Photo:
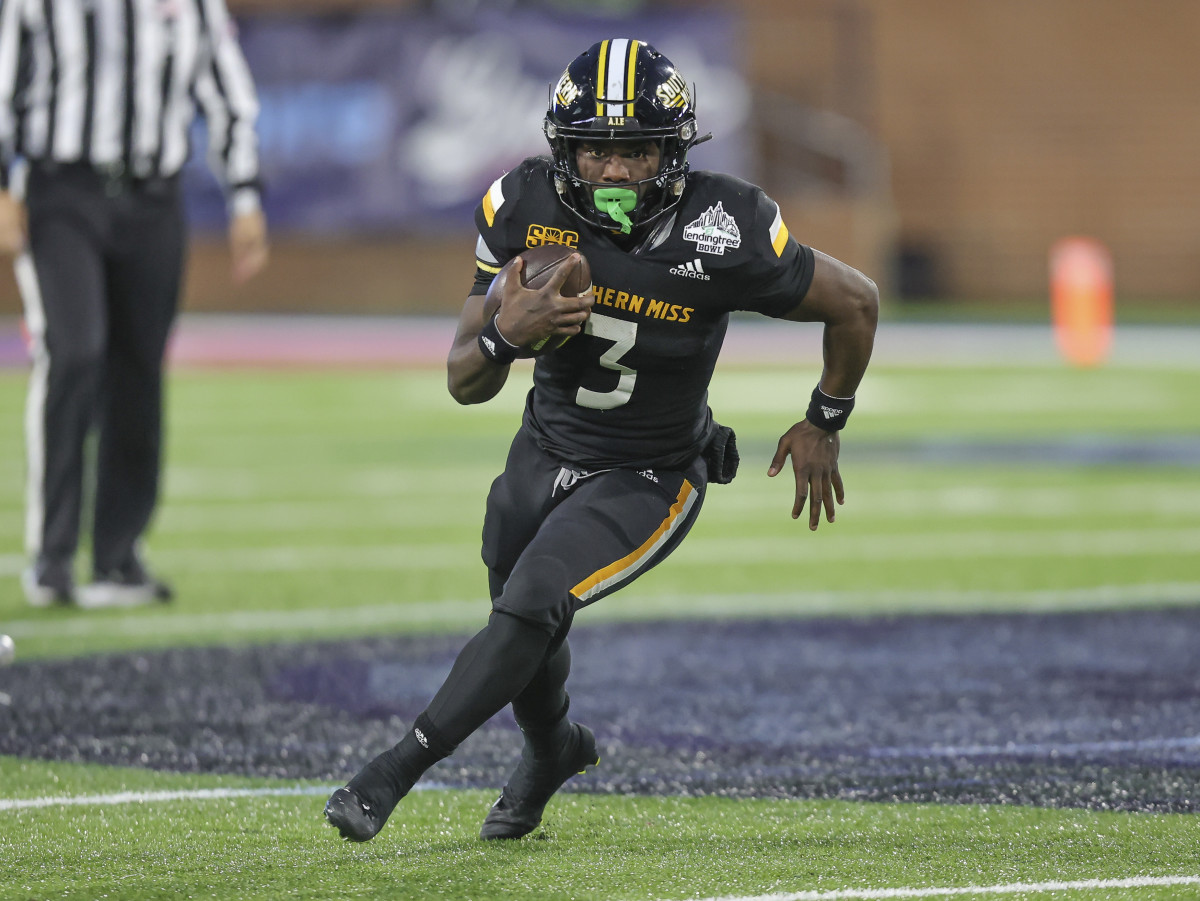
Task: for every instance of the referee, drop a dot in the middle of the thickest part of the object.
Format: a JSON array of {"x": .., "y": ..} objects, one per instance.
[{"x": 97, "y": 98}]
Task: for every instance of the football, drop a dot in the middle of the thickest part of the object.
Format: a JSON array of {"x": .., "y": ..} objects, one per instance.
[{"x": 541, "y": 265}]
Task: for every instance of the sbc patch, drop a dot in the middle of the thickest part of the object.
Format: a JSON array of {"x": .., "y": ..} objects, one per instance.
[{"x": 537, "y": 235}]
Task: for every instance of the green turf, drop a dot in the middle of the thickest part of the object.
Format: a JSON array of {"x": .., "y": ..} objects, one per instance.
[
  {"x": 589, "y": 847},
  {"x": 323, "y": 504}
]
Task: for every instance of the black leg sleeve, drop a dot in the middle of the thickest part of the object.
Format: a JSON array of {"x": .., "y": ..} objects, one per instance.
[
  {"x": 543, "y": 703},
  {"x": 494, "y": 667}
]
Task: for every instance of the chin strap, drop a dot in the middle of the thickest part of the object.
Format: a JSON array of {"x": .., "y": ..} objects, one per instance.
[{"x": 617, "y": 202}]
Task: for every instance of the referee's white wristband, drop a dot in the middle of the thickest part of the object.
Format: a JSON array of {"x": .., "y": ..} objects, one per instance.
[{"x": 245, "y": 200}]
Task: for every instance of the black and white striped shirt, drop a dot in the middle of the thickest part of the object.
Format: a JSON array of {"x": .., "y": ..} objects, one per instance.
[{"x": 116, "y": 83}]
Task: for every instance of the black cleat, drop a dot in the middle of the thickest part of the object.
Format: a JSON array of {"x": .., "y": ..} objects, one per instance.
[
  {"x": 518, "y": 811},
  {"x": 356, "y": 820}
]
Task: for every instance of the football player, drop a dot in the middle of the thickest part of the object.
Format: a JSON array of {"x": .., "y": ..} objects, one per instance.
[{"x": 617, "y": 445}]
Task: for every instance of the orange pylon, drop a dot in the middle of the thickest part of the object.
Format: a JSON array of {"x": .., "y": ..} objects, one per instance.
[{"x": 1081, "y": 300}]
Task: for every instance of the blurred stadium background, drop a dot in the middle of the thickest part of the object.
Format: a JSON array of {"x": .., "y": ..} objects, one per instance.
[{"x": 940, "y": 146}]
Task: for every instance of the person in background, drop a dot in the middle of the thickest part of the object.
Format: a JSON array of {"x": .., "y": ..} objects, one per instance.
[
  {"x": 610, "y": 466},
  {"x": 97, "y": 98}
]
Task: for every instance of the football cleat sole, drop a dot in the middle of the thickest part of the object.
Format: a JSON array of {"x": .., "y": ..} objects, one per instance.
[{"x": 351, "y": 817}]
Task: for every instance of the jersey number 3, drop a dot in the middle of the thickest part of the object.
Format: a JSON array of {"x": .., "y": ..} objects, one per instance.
[{"x": 622, "y": 334}]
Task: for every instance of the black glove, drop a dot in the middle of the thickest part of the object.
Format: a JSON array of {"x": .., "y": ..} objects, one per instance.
[{"x": 721, "y": 456}]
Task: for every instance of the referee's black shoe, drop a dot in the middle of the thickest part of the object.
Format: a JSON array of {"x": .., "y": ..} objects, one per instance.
[
  {"x": 355, "y": 819},
  {"x": 518, "y": 811}
]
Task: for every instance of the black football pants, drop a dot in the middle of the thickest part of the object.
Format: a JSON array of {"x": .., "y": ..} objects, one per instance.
[
  {"x": 100, "y": 285},
  {"x": 555, "y": 540}
]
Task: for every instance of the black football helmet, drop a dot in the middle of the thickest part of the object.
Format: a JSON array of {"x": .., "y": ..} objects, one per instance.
[{"x": 621, "y": 89}]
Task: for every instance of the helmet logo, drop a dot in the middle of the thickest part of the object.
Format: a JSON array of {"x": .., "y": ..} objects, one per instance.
[
  {"x": 673, "y": 92},
  {"x": 567, "y": 92}
]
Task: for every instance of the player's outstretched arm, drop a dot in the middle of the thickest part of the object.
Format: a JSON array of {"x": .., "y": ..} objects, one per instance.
[{"x": 847, "y": 302}]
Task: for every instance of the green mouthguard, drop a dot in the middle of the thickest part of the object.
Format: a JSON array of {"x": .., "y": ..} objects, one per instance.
[{"x": 616, "y": 202}]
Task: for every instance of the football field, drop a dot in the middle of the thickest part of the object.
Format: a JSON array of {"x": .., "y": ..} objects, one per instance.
[{"x": 981, "y": 681}]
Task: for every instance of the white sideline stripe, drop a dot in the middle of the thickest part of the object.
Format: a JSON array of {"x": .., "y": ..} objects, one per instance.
[
  {"x": 195, "y": 794},
  {"x": 960, "y": 502},
  {"x": 1164, "y": 542},
  {"x": 881, "y": 894},
  {"x": 199, "y": 794},
  {"x": 164, "y": 621}
]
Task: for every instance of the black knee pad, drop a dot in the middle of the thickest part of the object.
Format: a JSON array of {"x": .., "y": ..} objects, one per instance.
[{"x": 538, "y": 592}]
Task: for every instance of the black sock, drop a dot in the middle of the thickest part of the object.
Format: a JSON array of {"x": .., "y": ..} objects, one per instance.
[
  {"x": 391, "y": 775},
  {"x": 541, "y": 709}
]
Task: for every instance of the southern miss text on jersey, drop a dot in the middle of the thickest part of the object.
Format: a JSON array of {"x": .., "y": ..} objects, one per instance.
[{"x": 632, "y": 389}]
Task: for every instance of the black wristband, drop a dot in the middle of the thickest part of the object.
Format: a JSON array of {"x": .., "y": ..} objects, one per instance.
[
  {"x": 494, "y": 346},
  {"x": 829, "y": 413}
]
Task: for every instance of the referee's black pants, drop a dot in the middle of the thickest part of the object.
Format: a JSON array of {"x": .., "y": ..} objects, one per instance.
[{"x": 100, "y": 284}]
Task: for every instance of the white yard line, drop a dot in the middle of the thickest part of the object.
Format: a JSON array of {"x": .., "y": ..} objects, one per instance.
[
  {"x": 700, "y": 551},
  {"x": 195, "y": 794},
  {"x": 957, "y": 502},
  {"x": 629, "y": 606}
]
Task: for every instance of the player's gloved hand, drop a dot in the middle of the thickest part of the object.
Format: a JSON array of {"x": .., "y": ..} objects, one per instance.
[{"x": 814, "y": 454}]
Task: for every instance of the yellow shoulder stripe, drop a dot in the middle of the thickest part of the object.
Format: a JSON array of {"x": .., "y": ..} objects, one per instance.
[
  {"x": 779, "y": 233},
  {"x": 492, "y": 201}
]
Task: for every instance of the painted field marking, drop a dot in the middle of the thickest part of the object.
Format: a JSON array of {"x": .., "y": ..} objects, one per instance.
[
  {"x": 883, "y": 894},
  {"x": 163, "y": 622},
  {"x": 962, "y": 501},
  {"x": 195, "y": 794},
  {"x": 700, "y": 551}
]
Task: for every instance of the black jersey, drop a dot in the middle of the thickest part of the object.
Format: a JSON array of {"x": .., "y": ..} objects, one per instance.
[{"x": 632, "y": 389}]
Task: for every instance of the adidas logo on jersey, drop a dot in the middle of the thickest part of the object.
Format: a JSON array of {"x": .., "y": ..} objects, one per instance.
[{"x": 693, "y": 269}]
